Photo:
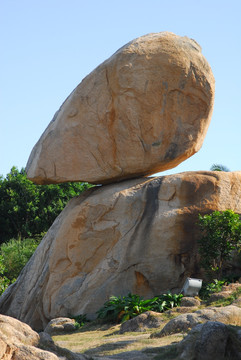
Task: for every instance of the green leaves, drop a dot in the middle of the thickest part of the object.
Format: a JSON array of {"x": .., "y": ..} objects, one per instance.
[
  {"x": 80, "y": 320},
  {"x": 210, "y": 288},
  {"x": 221, "y": 235},
  {"x": 219, "y": 167},
  {"x": 120, "y": 309},
  {"x": 14, "y": 255},
  {"x": 26, "y": 209}
]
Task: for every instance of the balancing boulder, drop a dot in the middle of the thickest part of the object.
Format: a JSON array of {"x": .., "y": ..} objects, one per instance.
[{"x": 144, "y": 110}]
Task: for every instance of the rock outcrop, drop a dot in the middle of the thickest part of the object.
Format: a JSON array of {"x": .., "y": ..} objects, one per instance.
[
  {"x": 19, "y": 341},
  {"x": 136, "y": 236},
  {"x": 142, "y": 322},
  {"x": 183, "y": 323},
  {"x": 212, "y": 340},
  {"x": 144, "y": 110}
]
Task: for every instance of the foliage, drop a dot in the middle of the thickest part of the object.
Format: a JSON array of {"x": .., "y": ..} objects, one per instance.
[
  {"x": 80, "y": 320},
  {"x": 120, "y": 309},
  {"x": 216, "y": 287},
  {"x": 221, "y": 235},
  {"x": 26, "y": 209},
  {"x": 13, "y": 257},
  {"x": 4, "y": 281},
  {"x": 210, "y": 288},
  {"x": 219, "y": 167},
  {"x": 15, "y": 254}
]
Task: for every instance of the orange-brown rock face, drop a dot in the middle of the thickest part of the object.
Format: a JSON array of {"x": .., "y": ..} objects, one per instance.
[
  {"x": 144, "y": 110},
  {"x": 136, "y": 236},
  {"x": 18, "y": 341}
]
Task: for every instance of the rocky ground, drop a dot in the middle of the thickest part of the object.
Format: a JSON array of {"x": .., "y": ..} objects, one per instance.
[{"x": 195, "y": 330}]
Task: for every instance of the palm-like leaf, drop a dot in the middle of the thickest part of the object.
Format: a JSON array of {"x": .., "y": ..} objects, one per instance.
[{"x": 219, "y": 167}]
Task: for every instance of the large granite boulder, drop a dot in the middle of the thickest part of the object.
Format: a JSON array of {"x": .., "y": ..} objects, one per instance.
[
  {"x": 136, "y": 236},
  {"x": 212, "y": 340},
  {"x": 144, "y": 110},
  {"x": 18, "y": 341}
]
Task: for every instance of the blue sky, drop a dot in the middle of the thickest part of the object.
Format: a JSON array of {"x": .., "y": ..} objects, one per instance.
[{"x": 49, "y": 46}]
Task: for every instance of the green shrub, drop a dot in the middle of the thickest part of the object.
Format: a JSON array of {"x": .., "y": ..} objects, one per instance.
[
  {"x": 80, "y": 320},
  {"x": 26, "y": 209},
  {"x": 13, "y": 257},
  {"x": 4, "y": 281},
  {"x": 221, "y": 235},
  {"x": 120, "y": 309},
  {"x": 210, "y": 288}
]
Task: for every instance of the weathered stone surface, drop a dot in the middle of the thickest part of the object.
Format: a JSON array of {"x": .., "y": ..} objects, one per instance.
[
  {"x": 18, "y": 341},
  {"x": 220, "y": 295},
  {"x": 182, "y": 323},
  {"x": 46, "y": 342},
  {"x": 210, "y": 341},
  {"x": 181, "y": 310},
  {"x": 189, "y": 301},
  {"x": 227, "y": 291},
  {"x": 237, "y": 302},
  {"x": 60, "y": 325},
  {"x": 144, "y": 110},
  {"x": 136, "y": 236},
  {"x": 147, "y": 320}
]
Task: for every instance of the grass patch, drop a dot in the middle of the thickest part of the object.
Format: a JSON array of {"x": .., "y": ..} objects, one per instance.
[
  {"x": 168, "y": 352},
  {"x": 105, "y": 340}
]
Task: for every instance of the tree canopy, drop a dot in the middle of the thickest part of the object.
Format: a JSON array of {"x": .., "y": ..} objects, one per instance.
[
  {"x": 220, "y": 236},
  {"x": 28, "y": 210}
]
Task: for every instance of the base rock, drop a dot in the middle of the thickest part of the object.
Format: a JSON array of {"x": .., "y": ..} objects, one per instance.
[{"x": 137, "y": 236}]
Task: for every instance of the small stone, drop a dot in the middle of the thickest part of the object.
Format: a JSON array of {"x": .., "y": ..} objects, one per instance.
[
  {"x": 60, "y": 325},
  {"x": 190, "y": 301},
  {"x": 219, "y": 296},
  {"x": 142, "y": 322}
]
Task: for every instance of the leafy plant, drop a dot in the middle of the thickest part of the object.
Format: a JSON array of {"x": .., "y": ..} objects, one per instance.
[
  {"x": 120, "y": 309},
  {"x": 210, "y": 288},
  {"x": 221, "y": 235},
  {"x": 80, "y": 320},
  {"x": 219, "y": 167}
]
